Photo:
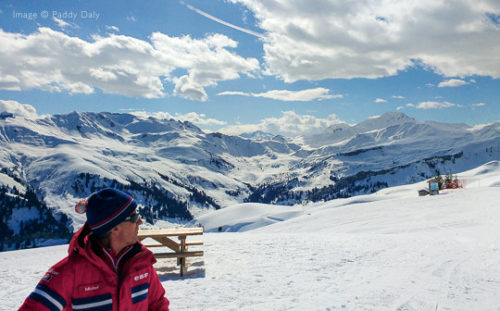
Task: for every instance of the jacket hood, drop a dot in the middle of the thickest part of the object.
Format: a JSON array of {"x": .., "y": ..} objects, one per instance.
[{"x": 79, "y": 239}]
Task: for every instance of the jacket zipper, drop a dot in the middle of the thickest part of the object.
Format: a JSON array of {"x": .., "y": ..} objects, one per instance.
[
  {"x": 115, "y": 266},
  {"x": 118, "y": 278}
]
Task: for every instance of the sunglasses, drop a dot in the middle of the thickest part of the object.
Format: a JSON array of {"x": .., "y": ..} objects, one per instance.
[{"x": 134, "y": 218}]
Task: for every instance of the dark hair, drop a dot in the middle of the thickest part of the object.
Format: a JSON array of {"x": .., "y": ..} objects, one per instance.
[{"x": 103, "y": 239}]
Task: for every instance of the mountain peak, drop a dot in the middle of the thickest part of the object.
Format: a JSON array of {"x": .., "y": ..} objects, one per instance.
[
  {"x": 384, "y": 121},
  {"x": 258, "y": 135}
]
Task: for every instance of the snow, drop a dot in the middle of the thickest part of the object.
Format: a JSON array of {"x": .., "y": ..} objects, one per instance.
[
  {"x": 8, "y": 181},
  {"x": 248, "y": 216},
  {"x": 391, "y": 250}
]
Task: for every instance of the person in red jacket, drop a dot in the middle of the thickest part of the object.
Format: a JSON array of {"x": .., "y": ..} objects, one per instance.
[{"x": 106, "y": 267}]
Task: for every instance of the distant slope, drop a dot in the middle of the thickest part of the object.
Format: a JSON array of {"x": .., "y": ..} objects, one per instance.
[{"x": 272, "y": 218}]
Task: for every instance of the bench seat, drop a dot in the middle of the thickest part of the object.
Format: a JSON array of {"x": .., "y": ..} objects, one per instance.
[
  {"x": 178, "y": 255},
  {"x": 188, "y": 243},
  {"x": 192, "y": 243},
  {"x": 154, "y": 245}
]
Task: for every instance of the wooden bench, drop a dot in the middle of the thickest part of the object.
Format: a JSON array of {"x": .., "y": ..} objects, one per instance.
[
  {"x": 188, "y": 243},
  {"x": 163, "y": 238},
  {"x": 179, "y": 255}
]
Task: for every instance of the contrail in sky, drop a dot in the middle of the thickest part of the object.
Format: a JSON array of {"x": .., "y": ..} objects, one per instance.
[{"x": 218, "y": 20}]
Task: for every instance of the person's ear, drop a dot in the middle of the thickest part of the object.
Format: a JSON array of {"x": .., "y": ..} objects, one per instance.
[{"x": 115, "y": 229}]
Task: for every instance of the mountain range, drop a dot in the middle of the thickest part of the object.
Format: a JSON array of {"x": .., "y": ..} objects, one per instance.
[{"x": 177, "y": 172}]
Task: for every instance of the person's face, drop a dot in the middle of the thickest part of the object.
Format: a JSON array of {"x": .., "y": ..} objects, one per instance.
[{"x": 126, "y": 233}]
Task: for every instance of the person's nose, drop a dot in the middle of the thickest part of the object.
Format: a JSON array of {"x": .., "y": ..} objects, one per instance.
[{"x": 139, "y": 222}]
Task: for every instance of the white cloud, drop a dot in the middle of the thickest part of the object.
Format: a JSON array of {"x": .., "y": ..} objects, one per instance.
[
  {"x": 380, "y": 100},
  {"x": 18, "y": 109},
  {"x": 112, "y": 28},
  {"x": 398, "y": 97},
  {"x": 187, "y": 88},
  {"x": 371, "y": 39},
  {"x": 286, "y": 95},
  {"x": 234, "y": 93},
  {"x": 118, "y": 64},
  {"x": 207, "y": 61},
  {"x": 199, "y": 119},
  {"x": 61, "y": 23},
  {"x": 289, "y": 124},
  {"x": 102, "y": 74},
  {"x": 479, "y": 105},
  {"x": 435, "y": 105},
  {"x": 10, "y": 83},
  {"x": 452, "y": 83},
  {"x": 146, "y": 114}
]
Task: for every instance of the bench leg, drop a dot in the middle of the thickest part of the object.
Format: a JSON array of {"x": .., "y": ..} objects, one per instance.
[
  {"x": 183, "y": 265},
  {"x": 182, "y": 259}
]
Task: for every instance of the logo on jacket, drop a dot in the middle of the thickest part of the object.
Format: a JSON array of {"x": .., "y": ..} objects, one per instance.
[
  {"x": 141, "y": 277},
  {"x": 48, "y": 276},
  {"x": 91, "y": 288}
]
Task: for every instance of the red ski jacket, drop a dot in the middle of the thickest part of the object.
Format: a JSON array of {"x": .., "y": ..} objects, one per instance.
[{"x": 89, "y": 279}]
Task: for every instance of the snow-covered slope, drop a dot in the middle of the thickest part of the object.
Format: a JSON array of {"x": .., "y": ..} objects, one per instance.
[
  {"x": 249, "y": 216},
  {"x": 390, "y": 250},
  {"x": 176, "y": 170}
]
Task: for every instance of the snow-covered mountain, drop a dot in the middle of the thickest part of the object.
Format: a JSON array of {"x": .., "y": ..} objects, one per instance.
[
  {"x": 390, "y": 150},
  {"x": 175, "y": 170}
]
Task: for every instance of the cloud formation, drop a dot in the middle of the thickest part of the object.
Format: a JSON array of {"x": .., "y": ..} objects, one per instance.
[
  {"x": 18, "y": 109},
  {"x": 479, "y": 105},
  {"x": 112, "y": 28},
  {"x": 286, "y": 95},
  {"x": 435, "y": 105},
  {"x": 452, "y": 83},
  {"x": 118, "y": 64},
  {"x": 199, "y": 119},
  {"x": 371, "y": 39},
  {"x": 61, "y": 23},
  {"x": 289, "y": 124}
]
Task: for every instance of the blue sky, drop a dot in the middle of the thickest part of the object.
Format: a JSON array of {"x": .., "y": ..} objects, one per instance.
[{"x": 290, "y": 67}]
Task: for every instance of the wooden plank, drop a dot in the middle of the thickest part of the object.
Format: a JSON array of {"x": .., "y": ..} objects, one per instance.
[
  {"x": 164, "y": 242},
  {"x": 169, "y": 232},
  {"x": 154, "y": 245},
  {"x": 179, "y": 255},
  {"x": 191, "y": 243},
  {"x": 194, "y": 243},
  {"x": 169, "y": 243}
]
